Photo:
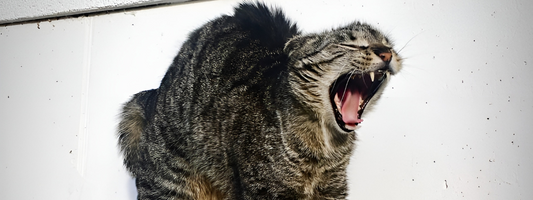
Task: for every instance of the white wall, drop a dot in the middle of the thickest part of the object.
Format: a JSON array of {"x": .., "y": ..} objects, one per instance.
[
  {"x": 454, "y": 124},
  {"x": 22, "y": 10}
]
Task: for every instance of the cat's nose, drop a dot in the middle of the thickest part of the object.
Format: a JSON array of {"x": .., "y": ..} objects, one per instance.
[
  {"x": 385, "y": 56},
  {"x": 383, "y": 52}
]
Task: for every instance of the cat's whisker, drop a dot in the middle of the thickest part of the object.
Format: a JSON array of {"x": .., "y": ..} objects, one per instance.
[
  {"x": 338, "y": 74},
  {"x": 347, "y": 82},
  {"x": 363, "y": 78},
  {"x": 407, "y": 43}
]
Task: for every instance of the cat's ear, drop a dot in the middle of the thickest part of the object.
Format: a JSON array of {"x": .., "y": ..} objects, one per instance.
[
  {"x": 313, "y": 49},
  {"x": 302, "y": 46}
]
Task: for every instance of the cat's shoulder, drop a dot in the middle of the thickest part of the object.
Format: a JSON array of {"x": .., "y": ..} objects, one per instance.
[{"x": 266, "y": 24}]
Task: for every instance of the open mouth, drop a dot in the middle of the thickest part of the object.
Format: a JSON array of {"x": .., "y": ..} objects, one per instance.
[{"x": 350, "y": 95}]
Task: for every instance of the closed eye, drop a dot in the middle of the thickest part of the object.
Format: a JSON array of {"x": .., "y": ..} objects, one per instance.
[{"x": 353, "y": 47}]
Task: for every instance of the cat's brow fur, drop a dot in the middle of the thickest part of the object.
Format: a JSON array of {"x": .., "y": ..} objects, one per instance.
[{"x": 243, "y": 112}]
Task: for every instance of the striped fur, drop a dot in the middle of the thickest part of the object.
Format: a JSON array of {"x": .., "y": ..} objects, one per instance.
[{"x": 244, "y": 112}]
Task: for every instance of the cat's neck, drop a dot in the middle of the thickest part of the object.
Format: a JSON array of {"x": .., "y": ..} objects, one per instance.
[{"x": 311, "y": 137}]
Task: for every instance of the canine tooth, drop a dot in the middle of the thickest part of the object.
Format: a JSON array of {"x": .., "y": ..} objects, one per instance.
[{"x": 371, "y": 76}]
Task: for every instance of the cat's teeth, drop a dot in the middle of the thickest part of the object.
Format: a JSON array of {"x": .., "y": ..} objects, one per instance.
[{"x": 371, "y": 76}]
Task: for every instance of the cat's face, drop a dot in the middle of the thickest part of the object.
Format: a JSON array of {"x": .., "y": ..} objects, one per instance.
[{"x": 342, "y": 72}]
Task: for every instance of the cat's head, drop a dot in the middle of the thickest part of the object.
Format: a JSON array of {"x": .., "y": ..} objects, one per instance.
[{"x": 342, "y": 72}]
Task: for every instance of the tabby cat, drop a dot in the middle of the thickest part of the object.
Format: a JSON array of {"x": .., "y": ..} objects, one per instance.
[{"x": 252, "y": 109}]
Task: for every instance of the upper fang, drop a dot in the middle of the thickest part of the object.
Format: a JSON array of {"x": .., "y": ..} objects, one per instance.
[{"x": 371, "y": 76}]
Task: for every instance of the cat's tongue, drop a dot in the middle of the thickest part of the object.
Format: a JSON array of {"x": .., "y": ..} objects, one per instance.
[{"x": 350, "y": 107}]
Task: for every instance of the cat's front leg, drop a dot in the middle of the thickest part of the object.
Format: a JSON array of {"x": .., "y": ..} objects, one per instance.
[
  {"x": 334, "y": 185},
  {"x": 177, "y": 184}
]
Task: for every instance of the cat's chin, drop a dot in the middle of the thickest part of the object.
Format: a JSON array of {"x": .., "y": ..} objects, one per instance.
[{"x": 350, "y": 95}]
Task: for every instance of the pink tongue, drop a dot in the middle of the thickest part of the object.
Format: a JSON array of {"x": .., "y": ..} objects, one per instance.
[{"x": 350, "y": 107}]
